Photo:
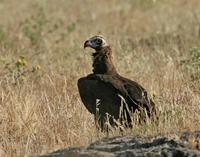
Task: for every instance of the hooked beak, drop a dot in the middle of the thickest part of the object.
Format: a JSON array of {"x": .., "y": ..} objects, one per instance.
[{"x": 87, "y": 43}]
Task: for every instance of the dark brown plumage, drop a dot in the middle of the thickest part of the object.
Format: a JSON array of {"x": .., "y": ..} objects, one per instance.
[{"x": 108, "y": 95}]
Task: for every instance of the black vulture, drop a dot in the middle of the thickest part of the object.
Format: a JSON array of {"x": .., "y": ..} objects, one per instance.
[{"x": 106, "y": 94}]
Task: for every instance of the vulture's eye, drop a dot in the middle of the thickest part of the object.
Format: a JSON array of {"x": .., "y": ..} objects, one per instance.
[{"x": 98, "y": 41}]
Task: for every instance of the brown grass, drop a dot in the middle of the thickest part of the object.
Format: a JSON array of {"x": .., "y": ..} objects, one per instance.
[{"x": 40, "y": 108}]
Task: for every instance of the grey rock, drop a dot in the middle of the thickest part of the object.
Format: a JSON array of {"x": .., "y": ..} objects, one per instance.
[{"x": 135, "y": 146}]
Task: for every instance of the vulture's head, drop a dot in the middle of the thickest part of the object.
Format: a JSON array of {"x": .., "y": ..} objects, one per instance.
[{"x": 96, "y": 42}]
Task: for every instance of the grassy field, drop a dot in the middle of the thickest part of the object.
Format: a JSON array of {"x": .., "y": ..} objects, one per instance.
[{"x": 155, "y": 42}]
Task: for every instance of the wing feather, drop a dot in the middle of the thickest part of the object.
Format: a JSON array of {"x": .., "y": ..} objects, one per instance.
[{"x": 127, "y": 88}]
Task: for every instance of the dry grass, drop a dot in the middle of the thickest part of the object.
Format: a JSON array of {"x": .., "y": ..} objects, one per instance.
[{"x": 40, "y": 108}]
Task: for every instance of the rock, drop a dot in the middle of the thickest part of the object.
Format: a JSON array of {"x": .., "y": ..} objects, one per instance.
[{"x": 137, "y": 146}]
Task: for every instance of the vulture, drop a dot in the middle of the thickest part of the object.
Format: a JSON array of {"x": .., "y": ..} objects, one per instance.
[{"x": 110, "y": 97}]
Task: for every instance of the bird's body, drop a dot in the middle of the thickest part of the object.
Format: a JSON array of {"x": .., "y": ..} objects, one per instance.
[{"x": 108, "y": 95}]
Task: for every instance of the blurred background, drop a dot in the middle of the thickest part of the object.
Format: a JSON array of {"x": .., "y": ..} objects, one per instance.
[{"x": 154, "y": 42}]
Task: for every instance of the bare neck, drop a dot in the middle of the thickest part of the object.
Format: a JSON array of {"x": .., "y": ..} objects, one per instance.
[{"x": 102, "y": 62}]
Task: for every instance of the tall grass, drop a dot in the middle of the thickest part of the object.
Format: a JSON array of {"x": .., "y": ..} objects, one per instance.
[{"x": 42, "y": 57}]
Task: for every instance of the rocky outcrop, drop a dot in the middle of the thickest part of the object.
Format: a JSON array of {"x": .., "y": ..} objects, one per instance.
[{"x": 181, "y": 145}]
